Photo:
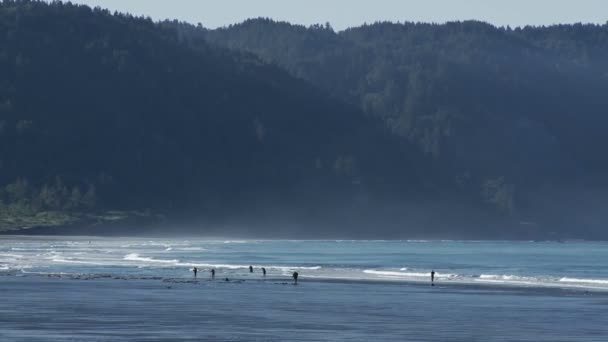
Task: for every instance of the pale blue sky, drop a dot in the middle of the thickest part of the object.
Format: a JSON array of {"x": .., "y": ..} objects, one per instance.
[{"x": 345, "y": 13}]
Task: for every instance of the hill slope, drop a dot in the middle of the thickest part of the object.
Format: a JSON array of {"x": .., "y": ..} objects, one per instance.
[
  {"x": 516, "y": 116},
  {"x": 112, "y": 121},
  {"x": 104, "y": 111}
]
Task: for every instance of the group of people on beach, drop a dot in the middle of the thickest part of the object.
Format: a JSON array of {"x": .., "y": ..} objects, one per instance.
[{"x": 294, "y": 274}]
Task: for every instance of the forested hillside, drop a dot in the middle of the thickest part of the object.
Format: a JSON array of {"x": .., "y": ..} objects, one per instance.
[
  {"x": 270, "y": 129},
  {"x": 518, "y": 115},
  {"x": 112, "y": 112},
  {"x": 450, "y": 87}
]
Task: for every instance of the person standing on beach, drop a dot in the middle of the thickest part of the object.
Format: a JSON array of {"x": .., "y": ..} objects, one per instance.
[
  {"x": 263, "y": 271},
  {"x": 213, "y": 273},
  {"x": 250, "y": 269},
  {"x": 433, "y": 278},
  {"x": 195, "y": 270},
  {"x": 295, "y": 278}
]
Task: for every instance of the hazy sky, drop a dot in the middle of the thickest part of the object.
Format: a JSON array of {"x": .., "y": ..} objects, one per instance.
[{"x": 344, "y": 13}]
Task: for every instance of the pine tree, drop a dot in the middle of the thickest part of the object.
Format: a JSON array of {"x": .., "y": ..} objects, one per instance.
[{"x": 89, "y": 200}]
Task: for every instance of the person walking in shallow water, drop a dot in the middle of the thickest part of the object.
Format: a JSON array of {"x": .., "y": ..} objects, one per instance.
[
  {"x": 213, "y": 273},
  {"x": 250, "y": 269},
  {"x": 433, "y": 278},
  {"x": 295, "y": 278},
  {"x": 263, "y": 271},
  {"x": 195, "y": 270}
]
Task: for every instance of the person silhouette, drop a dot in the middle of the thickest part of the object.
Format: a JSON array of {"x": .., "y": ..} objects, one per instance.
[
  {"x": 195, "y": 270},
  {"x": 433, "y": 278},
  {"x": 250, "y": 269},
  {"x": 295, "y": 278},
  {"x": 212, "y": 273},
  {"x": 263, "y": 271}
]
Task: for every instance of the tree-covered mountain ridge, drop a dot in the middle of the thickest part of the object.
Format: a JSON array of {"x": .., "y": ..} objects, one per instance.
[
  {"x": 432, "y": 83},
  {"x": 110, "y": 120},
  {"x": 108, "y": 116},
  {"x": 517, "y": 113}
]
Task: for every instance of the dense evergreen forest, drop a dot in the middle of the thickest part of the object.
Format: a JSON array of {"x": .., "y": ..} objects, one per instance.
[
  {"x": 270, "y": 129},
  {"x": 516, "y": 116}
]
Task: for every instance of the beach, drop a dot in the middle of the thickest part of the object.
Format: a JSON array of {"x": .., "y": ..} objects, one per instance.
[{"x": 80, "y": 293}]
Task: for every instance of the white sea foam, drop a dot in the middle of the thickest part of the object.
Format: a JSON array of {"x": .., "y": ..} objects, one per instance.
[
  {"x": 136, "y": 257},
  {"x": 584, "y": 281},
  {"x": 545, "y": 281},
  {"x": 61, "y": 259},
  {"x": 294, "y": 267},
  {"x": 147, "y": 261},
  {"x": 396, "y": 274},
  {"x": 269, "y": 267},
  {"x": 13, "y": 256},
  {"x": 506, "y": 277},
  {"x": 232, "y": 267}
]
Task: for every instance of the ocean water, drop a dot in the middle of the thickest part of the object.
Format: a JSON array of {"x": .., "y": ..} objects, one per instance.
[{"x": 81, "y": 288}]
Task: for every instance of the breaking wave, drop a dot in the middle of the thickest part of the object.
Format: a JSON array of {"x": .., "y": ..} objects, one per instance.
[
  {"x": 136, "y": 257},
  {"x": 584, "y": 281}
]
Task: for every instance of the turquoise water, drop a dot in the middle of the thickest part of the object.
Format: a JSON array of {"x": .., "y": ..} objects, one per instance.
[{"x": 126, "y": 289}]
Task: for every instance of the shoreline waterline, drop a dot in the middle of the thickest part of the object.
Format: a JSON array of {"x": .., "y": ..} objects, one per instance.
[
  {"x": 554, "y": 290},
  {"x": 574, "y": 265}
]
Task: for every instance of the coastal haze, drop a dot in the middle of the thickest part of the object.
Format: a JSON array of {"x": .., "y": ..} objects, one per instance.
[{"x": 312, "y": 171}]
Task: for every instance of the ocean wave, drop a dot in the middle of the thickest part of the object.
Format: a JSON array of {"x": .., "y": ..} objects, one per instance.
[
  {"x": 137, "y": 257},
  {"x": 294, "y": 267},
  {"x": 395, "y": 274},
  {"x": 176, "y": 262},
  {"x": 65, "y": 260},
  {"x": 584, "y": 281},
  {"x": 149, "y": 244},
  {"x": 507, "y": 277},
  {"x": 546, "y": 280},
  {"x": 15, "y": 267},
  {"x": 268, "y": 267},
  {"x": 9, "y": 255},
  {"x": 410, "y": 274}
]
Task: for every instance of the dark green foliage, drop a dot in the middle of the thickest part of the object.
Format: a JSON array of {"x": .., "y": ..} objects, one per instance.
[
  {"x": 49, "y": 197},
  {"x": 386, "y": 129},
  {"x": 130, "y": 114},
  {"x": 526, "y": 106},
  {"x": 481, "y": 99}
]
